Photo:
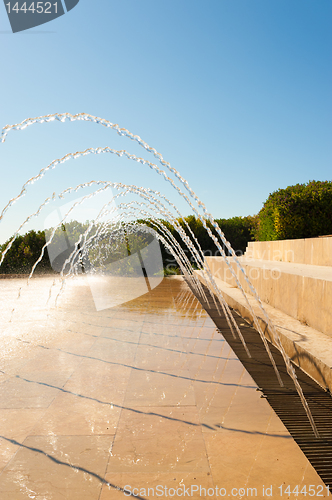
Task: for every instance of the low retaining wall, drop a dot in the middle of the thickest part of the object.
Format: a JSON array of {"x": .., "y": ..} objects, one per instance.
[
  {"x": 308, "y": 348},
  {"x": 312, "y": 251},
  {"x": 302, "y": 292}
]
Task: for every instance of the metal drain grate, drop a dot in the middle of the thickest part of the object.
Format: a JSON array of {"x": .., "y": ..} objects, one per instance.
[{"x": 284, "y": 400}]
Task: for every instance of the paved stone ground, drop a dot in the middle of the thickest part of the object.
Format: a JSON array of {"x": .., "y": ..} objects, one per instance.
[{"x": 145, "y": 395}]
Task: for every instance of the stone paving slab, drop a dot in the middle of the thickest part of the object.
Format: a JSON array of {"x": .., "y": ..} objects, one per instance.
[{"x": 146, "y": 395}]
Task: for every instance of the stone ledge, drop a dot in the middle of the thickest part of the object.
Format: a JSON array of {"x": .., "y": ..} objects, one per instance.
[
  {"x": 301, "y": 291},
  {"x": 308, "y": 348},
  {"x": 311, "y": 251}
]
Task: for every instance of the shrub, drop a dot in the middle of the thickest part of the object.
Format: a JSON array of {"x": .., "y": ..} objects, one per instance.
[
  {"x": 26, "y": 249},
  {"x": 238, "y": 231},
  {"x": 24, "y": 252},
  {"x": 300, "y": 211}
]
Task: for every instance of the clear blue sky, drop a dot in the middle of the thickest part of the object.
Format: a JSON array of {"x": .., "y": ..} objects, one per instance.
[{"x": 235, "y": 94}]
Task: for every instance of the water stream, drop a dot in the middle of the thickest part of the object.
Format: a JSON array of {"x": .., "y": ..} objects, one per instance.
[{"x": 115, "y": 229}]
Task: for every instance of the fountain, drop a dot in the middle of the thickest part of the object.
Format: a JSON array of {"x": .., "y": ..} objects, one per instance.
[{"x": 117, "y": 229}]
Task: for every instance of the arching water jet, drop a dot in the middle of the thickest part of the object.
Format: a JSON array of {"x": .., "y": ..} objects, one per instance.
[{"x": 204, "y": 217}]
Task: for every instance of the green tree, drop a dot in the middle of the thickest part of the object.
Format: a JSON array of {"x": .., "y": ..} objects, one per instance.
[
  {"x": 300, "y": 211},
  {"x": 238, "y": 231},
  {"x": 24, "y": 252}
]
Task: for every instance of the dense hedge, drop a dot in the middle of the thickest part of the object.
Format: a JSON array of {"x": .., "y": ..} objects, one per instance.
[
  {"x": 26, "y": 249},
  {"x": 238, "y": 231},
  {"x": 23, "y": 253},
  {"x": 300, "y": 211}
]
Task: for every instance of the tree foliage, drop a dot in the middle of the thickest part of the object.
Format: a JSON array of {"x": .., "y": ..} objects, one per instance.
[
  {"x": 23, "y": 253},
  {"x": 237, "y": 230},
  {"x": 105, "y": 250},
  {"x": 300, "y": 211}
]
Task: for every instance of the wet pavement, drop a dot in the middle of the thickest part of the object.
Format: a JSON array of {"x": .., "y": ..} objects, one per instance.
[{"x": 145, "y": 397}]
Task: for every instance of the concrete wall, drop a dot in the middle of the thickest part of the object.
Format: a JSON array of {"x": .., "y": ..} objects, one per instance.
[
  {"x": 308, "y": 348},
  {"x": 314, "y": 251},
  {"x": 305, "y": 298}
]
